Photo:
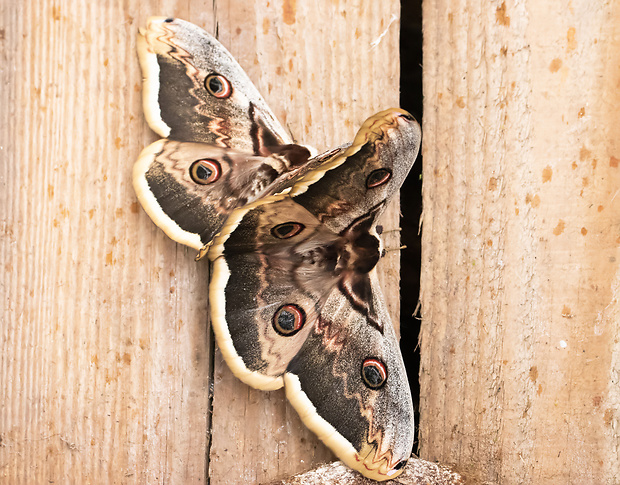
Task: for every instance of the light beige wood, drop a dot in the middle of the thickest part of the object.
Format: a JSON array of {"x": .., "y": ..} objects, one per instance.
[
  {"x": 322, "y": 79},
  {"x": 521, "y": 260},
  {"x": 105, "y": 350}
]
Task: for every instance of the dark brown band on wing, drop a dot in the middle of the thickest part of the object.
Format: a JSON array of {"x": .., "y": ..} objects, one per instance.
[
  {"x": 260, "y": 135},
  {"x": 179, "y": 104},
  {"x": 358, "y": 292},
  {"x": 337, "y": 195}
]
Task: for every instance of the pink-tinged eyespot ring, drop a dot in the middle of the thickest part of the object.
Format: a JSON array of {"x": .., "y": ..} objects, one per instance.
[
  {"x": 374, "y": 373},
  {"x": 205, "y": 171},
  {"x": 378, "y": 177},
  {"x": 218, "y": 86},
  {"x": 288, "y": 320},
  {"x": 287, "y": 230}
]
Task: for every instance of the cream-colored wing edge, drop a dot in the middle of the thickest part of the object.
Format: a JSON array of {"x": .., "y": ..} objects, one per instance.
[
  {"x": 150, "y": 74},
  {"x": 369, "y": 131},
  {"x": 217, "y": 301},
  {"x": 151, "y": 205},
  {"x": 341, "y": 447}
]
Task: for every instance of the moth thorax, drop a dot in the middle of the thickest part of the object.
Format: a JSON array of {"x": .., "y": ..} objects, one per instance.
[{"x": 364, "y": 252}]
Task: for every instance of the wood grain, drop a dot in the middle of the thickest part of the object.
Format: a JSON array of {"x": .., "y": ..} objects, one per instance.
[
  {"x": 521, "y": 260},
  {"x": 106, "y": 362},
  {"x": 322, "y": 80},
  {"x": 104, "y": 347}
]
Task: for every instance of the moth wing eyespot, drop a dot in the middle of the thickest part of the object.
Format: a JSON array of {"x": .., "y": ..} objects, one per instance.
[
  {"x": 374, "y": 373},
  {"x": 287, "y": 230},
  {"x": 218, "y": 86},
  {"x": 378, "y": 177},
  {"x": 205, "y": 171},
  {"x": 288, "y": 320}
]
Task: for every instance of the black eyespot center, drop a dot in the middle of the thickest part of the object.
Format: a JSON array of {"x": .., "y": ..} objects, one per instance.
[
  {"x": 289, "y": 319},
  {"x": 218, "y": 86},
  {"x": 378, "y": 177},
  {"x": 205, "y": 171},
  {"x": 168, "y": 20},
  {"x": 374, "y": 373},
  {"x": 287, "y": 230}
]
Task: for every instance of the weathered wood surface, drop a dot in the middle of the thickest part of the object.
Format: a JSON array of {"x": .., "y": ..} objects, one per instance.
[
  {"x": 521, "y": 260},
  {"x": 417, "y": 472},
  {"x": 105, "y": 351},
  {"x": 323, "y": 79},
  {"x": 104, "y": 348}
]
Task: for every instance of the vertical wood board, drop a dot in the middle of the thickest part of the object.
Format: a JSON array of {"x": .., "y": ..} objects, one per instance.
[
  {"x": 520, "y": 271},
  {"x": 105, "y": 349},
  {"x": 322, "y": 79}
]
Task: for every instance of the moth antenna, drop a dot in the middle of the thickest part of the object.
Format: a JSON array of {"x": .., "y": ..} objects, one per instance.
[
  {"x": 387, "y": 250},
  {"x": 381, "y": 231}
]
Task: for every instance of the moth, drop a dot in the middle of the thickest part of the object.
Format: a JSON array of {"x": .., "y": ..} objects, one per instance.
[{"x": 292, "y": 237}]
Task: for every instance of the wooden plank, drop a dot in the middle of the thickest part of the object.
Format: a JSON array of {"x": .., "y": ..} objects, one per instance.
[
  {"x": 322, "y": 80},
  {"x": 521, "y": 260},
  {"x": 104, "y": 348}
]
